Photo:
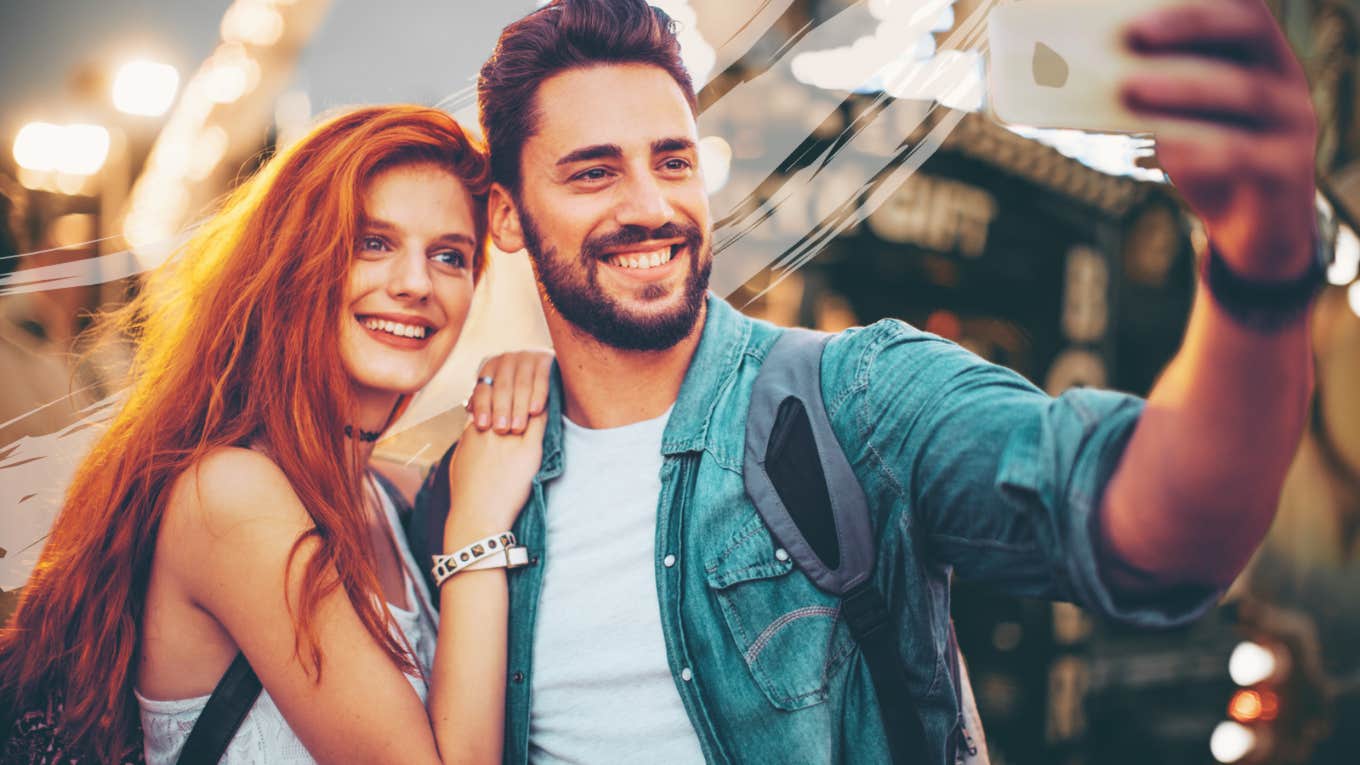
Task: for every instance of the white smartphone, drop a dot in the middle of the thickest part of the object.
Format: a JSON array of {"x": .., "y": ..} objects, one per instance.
[{"x": 1058, "y": 63}]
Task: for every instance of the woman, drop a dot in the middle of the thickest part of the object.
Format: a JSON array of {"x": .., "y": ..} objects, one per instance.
[{"x": 229, "y": 508}]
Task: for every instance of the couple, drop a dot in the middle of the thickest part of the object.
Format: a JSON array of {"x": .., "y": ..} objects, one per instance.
[{"x": 229, "y": 508}]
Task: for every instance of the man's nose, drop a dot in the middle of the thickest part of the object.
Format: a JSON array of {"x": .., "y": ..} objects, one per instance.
[{"x": 645, "y": 203}]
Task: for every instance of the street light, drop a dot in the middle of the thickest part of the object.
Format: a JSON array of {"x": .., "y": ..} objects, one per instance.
[
  {"x": 715, "y": 157},
  {"x": 34, "y": 146},
  {"x": 75, "y": 149},
  {"x": 252, "y": 22},
  {"x": 145, "y": 88},
  {"x": 1251, "y": 663},
  {"x": 1231, "y": 742},
  {"x": 83, "y": 149},
  {"x": 231, "y": 73}
]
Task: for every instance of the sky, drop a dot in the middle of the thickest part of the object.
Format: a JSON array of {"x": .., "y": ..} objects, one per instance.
[{"x": 364, "y": 51}]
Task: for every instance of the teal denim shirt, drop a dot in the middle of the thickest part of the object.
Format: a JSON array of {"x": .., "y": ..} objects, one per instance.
[{"x": 967, "y": 468}]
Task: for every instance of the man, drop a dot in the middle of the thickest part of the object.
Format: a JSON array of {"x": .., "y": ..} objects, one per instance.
[{"x": 658, "y": 619}]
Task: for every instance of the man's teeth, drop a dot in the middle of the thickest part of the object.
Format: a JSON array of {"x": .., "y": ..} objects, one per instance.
[
  {"x": 642, "y": 259},
  {"x": 397, "y": 328}
]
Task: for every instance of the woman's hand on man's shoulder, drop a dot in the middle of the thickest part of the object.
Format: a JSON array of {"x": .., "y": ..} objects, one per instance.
[{"x": 517, "y": 391}]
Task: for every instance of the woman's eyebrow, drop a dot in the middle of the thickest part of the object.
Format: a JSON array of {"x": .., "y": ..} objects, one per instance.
[
  {"x": 379, "y": 224},
  {"x": 462, "y": 239}
]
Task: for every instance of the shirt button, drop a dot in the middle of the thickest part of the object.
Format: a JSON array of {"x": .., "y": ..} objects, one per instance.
[
  {"x": 519, "y": 677},
  {"x": 781, "y": 554},
  {"x": 668, "y": 561},
  {"x": 686, "y": 675}
]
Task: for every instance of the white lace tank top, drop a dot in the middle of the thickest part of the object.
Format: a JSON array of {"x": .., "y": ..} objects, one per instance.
[{"x": 264, "y": 737}]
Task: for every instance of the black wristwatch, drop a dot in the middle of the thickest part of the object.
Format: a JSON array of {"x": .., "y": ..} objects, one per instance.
[{"x": 1266, "y": 306}]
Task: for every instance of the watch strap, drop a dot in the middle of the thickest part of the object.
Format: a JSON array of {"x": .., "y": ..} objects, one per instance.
[{"x": 1260, "y": 305}]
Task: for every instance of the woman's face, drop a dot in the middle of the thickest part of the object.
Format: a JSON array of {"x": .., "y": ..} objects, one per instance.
[{"x": 410, "y": 282}]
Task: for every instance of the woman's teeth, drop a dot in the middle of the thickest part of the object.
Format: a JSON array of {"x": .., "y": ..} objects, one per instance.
[
  {"x": 396, "y": 328},
  {"x": 642, "y": 259}
]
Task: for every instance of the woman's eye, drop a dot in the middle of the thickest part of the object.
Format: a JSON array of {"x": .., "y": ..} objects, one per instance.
[
  {"x": 451, "y": 258},
  {"x": 375, "y": 243}
]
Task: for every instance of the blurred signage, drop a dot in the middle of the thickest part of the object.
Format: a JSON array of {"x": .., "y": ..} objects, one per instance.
[{"x": 939, "y": 214}]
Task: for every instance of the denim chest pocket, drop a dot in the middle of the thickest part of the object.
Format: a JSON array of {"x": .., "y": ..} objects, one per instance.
[{"x": 789, "y": 633}]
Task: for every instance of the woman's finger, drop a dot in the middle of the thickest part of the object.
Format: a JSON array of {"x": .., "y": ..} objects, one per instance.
[
  {"x": 538, "y": 400},
  {"x": 479, "y": 402},
  {"x": 524, "y": 388},
  {"x": 502, "y": 393},
  {"x": 533, "y": 433}
]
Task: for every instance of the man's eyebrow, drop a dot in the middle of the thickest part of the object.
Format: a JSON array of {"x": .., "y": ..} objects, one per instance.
[
  {"x": 587, "y": 153},
  {"x": 667, "y": 145}
]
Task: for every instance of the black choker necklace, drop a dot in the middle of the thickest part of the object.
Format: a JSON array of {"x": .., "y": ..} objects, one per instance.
[{"x": 367, "y": 436}]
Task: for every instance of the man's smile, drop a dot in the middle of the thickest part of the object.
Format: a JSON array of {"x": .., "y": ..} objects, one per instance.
[{"x": 647, "y": 259}]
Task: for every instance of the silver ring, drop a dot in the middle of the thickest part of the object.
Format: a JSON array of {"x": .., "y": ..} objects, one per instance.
[{"x": 485, "y": 380}]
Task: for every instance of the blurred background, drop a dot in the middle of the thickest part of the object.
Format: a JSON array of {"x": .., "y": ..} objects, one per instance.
[{"x": 855, "y": 175}]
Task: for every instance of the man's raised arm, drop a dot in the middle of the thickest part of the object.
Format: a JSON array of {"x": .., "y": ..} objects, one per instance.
[{"x": 1197, "y": 487}]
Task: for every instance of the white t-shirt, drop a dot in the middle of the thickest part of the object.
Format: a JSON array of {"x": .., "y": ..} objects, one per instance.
[{"x": 602, "y": 690}]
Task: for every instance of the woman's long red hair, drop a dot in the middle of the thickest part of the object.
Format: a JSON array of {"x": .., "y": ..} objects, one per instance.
[{"x": 237, "y": 343}]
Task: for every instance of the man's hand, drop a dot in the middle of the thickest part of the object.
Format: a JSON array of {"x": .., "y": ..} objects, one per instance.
[{"x": 1235, "y": 126}]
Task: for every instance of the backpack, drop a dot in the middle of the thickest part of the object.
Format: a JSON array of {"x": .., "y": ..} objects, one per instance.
[{"x": 801, "y": 484}]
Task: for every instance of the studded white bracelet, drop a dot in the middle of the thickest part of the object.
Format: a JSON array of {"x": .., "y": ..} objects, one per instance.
[
  {"x": 446, "y": 566},
  {"x": 507, "y": 557}
]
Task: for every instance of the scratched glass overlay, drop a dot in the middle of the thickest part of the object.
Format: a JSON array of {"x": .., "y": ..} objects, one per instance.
[{"x": 811, "y": 122}]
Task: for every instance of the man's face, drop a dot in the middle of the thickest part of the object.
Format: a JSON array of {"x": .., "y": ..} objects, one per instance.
[{"x": 612, "y": 207}]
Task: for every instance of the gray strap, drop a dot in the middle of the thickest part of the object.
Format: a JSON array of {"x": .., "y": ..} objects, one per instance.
[{"x": 793, "y": 369}]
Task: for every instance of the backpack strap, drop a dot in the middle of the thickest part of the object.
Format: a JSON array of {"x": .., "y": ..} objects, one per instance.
[
  {"x": 231, "y": 700},
  {"x": 792, "y": 458},
  {"x": 804, "y": 489}
]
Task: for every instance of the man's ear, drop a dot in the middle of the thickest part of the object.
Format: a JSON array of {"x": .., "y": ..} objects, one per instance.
[{"x": 506, "y": 230}]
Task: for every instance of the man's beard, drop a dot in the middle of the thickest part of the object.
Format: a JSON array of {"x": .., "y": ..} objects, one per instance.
[{"x": 574, "y": 288}]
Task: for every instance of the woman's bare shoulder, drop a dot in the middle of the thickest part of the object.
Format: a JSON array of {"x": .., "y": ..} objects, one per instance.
[
  {"x": 232, "y": 483},
  {"x": 235, "y": 501}
]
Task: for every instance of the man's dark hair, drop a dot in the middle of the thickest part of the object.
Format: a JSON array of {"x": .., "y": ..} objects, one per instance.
[{"x": 565, "y": 35}]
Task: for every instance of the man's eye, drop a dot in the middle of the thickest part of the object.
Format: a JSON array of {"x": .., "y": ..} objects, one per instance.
[
  {"x": 452, "y": 258},
  {"x": 677, "y": 164},
  {"x": 593, "y": 174}
]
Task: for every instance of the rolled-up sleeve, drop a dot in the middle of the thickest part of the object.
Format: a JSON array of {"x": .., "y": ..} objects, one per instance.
[{"x": 991, "y": 475}]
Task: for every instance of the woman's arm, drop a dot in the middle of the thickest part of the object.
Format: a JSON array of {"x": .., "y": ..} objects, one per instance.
[
  {"x": 229, "y": 527},
  {"x": 489, "y": 480}
]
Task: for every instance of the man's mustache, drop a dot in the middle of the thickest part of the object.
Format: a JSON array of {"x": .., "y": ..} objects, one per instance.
[{"x": 594, "y": 247}]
